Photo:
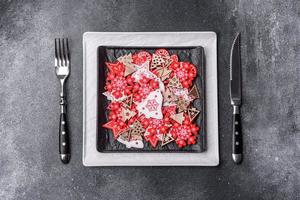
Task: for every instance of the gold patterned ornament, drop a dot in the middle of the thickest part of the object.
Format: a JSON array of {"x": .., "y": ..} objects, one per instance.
[
  {"x": 178, "y": 117},
  {"x": 168, "y": 61},
  {"x": 174, "y": 82},
  {"x": 182, "y": 104},
  {"x": 126, "y": 114},
  {"x": 167, "y": 138},
  {"x": 193, "y": 113},
  {"x": 127, "y": 61},
  {"x": 164, "y": 73},
  {"x": 137, "y": 131},
  {"x": 157, "y": 61},
  {"x": 125, "y": 135},
  {"x": 127, "y": 102},
  {"x": 194, "y": 93}
]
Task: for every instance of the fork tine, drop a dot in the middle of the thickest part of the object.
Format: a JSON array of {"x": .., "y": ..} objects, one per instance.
[
  {"x": 62, "y": 50},
  {"x": 67, "y": 53},
  {"x": 56, "y": 53}
]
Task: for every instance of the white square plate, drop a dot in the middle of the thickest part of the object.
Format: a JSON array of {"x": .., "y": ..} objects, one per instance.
[{"x": 91, "y": 41}]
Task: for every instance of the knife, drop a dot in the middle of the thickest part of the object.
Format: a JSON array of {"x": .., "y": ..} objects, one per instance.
[{"x": 236, "y": 99}]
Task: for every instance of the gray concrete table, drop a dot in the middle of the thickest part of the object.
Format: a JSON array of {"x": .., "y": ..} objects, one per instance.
[{"x": 30, "y": 166}]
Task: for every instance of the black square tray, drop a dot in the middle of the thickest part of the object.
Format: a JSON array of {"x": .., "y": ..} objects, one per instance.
[{"x": 105, "y": 140}]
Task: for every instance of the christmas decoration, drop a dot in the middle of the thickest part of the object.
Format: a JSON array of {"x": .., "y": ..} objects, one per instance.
[{"x": 151, "y": 97}]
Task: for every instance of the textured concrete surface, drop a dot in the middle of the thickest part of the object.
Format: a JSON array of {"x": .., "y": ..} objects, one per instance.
[{"x": 30, "y": 166}]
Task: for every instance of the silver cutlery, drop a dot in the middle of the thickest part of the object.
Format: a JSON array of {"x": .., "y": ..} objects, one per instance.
[
  {"x": 236, "y": 99},
  {"x": 62, "y": 70}
]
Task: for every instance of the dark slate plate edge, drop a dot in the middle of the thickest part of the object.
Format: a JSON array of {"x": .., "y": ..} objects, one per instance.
[{"x": 100, "y": 142}]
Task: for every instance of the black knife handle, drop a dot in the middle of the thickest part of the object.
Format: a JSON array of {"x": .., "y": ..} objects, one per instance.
[
  {"x": 237, "y": 138},
  {"x": 64, "y": 142}
]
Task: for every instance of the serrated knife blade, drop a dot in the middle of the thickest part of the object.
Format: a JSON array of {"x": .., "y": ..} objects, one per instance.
[{"x": 236, "y": 98}]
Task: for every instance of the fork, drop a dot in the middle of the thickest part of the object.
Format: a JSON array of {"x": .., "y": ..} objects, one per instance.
[{"x": 62, "y": 70}]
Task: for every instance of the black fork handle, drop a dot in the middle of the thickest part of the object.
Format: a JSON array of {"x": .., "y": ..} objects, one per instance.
[{"x": 64, "y": 142}]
